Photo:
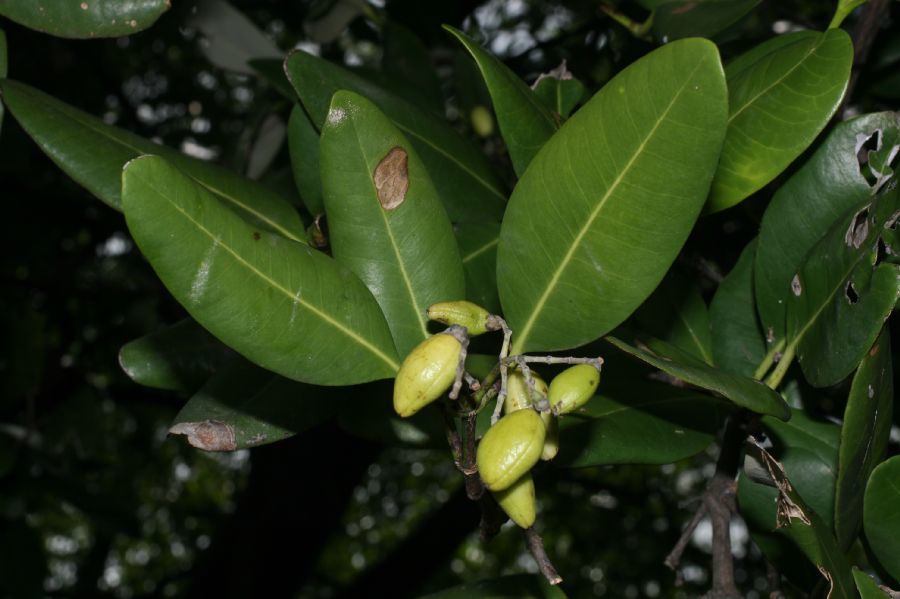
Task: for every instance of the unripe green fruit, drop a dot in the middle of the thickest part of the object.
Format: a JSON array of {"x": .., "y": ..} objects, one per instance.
[
  {"x": 573, "y": 387},
  {"x": 463, "y": 313},
  {"x": 551, "y": 441},
  {"x": 517, "y": 395},
  {"x": 518, "y": 501},
  {"x": 426, "y": 373},
  {"x": 510, "y": 448},
  {"x": 482, "y": 121}
]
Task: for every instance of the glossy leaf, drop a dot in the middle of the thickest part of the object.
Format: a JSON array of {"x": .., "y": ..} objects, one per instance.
[
  {"x": 560, "y": 94},
  {"x": 303, "y": 141},
  {"x": 279, "y": 303},
  {"x": 576, "y": 234},
  {"x": 864, "y": 435},
  {"x": 94, "y": 153},
  {"x": 823, "y": 189},
  {"x": 690, "y": 18},
  {"x": 868, "y": 588},
  {"x": 468, "y": 186},
  {"x": 738, "y": 345},
  {"x": 180, "y": 357},
  {"x": 677, "y": 314},
  {"x": 842, "y": 295},
  {"x": 781, "y": 95},
  {"x": 881, "y": 519},
  {"x": 642, "y": 423},
  {"x": 743, "y": 391},
  {"x": 478, "y": 250},
  {"x": 96, "y": 18},
  {"x": 525, "y": 123},
  {"x": 230, "y": 39},
  {"x": 243, "y": 406},
  {"x": 385, "y": 219},
  {"x": 520, "y": 586},
  {"x": 406, "y": 59}
]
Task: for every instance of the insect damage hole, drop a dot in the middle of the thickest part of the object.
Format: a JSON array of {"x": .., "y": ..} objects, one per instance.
[
  {"x": 864, "y": 145},
  {"x": 859, "y": 229},
  {"x": 851, "y": 293},
  {"x": 391, "y": 178}
]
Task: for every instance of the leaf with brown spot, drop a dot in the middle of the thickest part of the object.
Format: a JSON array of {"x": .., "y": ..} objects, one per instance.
[
  {"x": 208, "y": 435},
  {"x": 391, "y": 178}
]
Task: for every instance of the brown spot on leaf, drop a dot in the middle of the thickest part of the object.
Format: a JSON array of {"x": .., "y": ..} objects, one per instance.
[
  {"x": 209, "y": 435},
  {"x": 796, "y": 287},
  {"x": 256, "y": 236},
  {"x": 687, "y": 7},
  {"x": 859, "y": 229},
  {"x": 391, "y": 178}
]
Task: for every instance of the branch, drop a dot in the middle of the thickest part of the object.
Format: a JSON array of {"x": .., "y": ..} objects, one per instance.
[{"x": 535, "y": 545}]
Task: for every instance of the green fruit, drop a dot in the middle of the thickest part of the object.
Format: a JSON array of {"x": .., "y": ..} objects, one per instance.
[
  {"x": 517, "y": 396},
  {"x": 426, "y": 373},
  {"x": 551, "y": 441},
  {"x": 573, "y": 387},
  {"x": 462, "y": 313},
  {"x": 518, "y": 501},
  {"x": 482, "y": 121},
  {"x": 510, "y": 448}
]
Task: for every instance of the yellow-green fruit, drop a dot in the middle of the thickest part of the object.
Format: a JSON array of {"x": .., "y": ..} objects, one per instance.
[
  {"x": 482, "y": 121},
  {"x": 466, "y": 314},
  {"x": 551, "y": 441},
  {"x": 426, "y": 373},
  {"x": 518, "y": 501},
  {"x": 510, "y": 448},
  {"x": 517, "y": 397},
  {"x": 573, "y": 387}
]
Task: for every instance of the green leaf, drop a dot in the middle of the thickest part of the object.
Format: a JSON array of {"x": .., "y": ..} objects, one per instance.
[
  {"x": 677, "y": 314},
  {"x": 368, "y": 413},
  {"x": 93, "y": 154},
  {"x": 279, "y": 303},
  {"x": 88, "y": 19},
  {"x": 407, "y": 60},
  {"x": 385, "y": 219},
  {"x": 468, "y": 186},
  {"x": 243, "y": 406},
  {"x": 743, "y": 391},
  {"x": 881, "y": 518},
  {"x": 864, "y": 436},
  {"x": 230, "y": 39},
  {"x": 867, "y": 587},
  {"x": 822, "y": 190},
  {"x": 690, "y": 18},
  {"x": 576, "y": 234},
  {"x": 303, "y": 141},
  {"x": 272, "y": 70},
  {"x": 641, "y": 423},
  {"x": 842, "y": 294},
  {"x": 478, "y": 250},
  {"x": 519, "y": 586},
  {"x": 526, "y": 124},
  {"x": 738, "y": 345},
  {"x": 180, "y": 357},
  {"x": 781, "y": 94},
  {"x": 561, "y": 94}
]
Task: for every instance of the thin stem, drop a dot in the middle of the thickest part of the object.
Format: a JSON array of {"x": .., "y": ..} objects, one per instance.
[
  {"x": 844, "y": 8},
  {"x": 774, "y": 379},
  {"x": 768, "y": 360},
  {"x": 637, "y": 29},
  {"x": 535, "y": 545}
]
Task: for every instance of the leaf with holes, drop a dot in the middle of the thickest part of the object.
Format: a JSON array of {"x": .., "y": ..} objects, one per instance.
[
  {"x": 677, "y": 314},
  {"x": 478, "y": 250},
  {"x": 742, "y": 391},
  {"x": 243, "y": 406},
  {"x": 843, "y": 293},
  {"x": 468, "y": 187},
  {"x": 87, "y": 19},
  {"x": 525, "y": 123},
  {"x": 385, "y": 220},
  {"x": 802, "y": 210},
  {"x": 588, "y": 233},
  {"x": 277, "y": 302},
  {"x": 93, "y": 154},
  {"x": 881, "y": 518},
  {"x": 781, "y": 94},
  {"x": 738, "y": 345},
  {"x": 864, "y": 436}
]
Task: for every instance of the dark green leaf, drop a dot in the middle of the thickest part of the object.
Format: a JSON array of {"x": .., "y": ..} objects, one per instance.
[
  {"x": 641, "y": 423},
  {"x": 520, "y": 586},
  {"x": 824, "y": 188},
  {"x": 881, "y": 518},
  {"x": 94, "y": 18},
  {"x": 303, "y": 141},
  {"x": 781, "y": 95},
  {"x": 385, "y": 219},
  {"x": 272, "y": 70},
  {"x": 243, "y": 405},
  {"x": 93, "y": 154},
  {"x": 525, "y": 123},
  {"x": 864, "y": 436},
  {"x": 279, "y": 303},
  {"x": 868, "y": 588},
  {"x": 677, "y": 314},
  {"x": 268, "y": 140},
  {"x": 468, "y": 186},
  {"x": 576, "y": 234},
  {"x": 681, "y": 18},
  {"x": 478, "y": 249},
  {"x": 560, "y": 94},
  {"x": 230, "y": 39},
  {"x": 743, "y": 391},
  {"x": 178, "y": 358},
  {"x": 368, "y": 413},
  {"x": 842, "y": 294},
  {"x": 738, "y": 345},
  {"x": 406, "y": 59}
]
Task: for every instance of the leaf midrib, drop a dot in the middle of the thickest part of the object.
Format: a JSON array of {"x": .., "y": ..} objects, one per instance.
[
  {"x": 480, "y": 250},
  {"x": 554, "y": 280},
  {"x": 275, "y": 285}
]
